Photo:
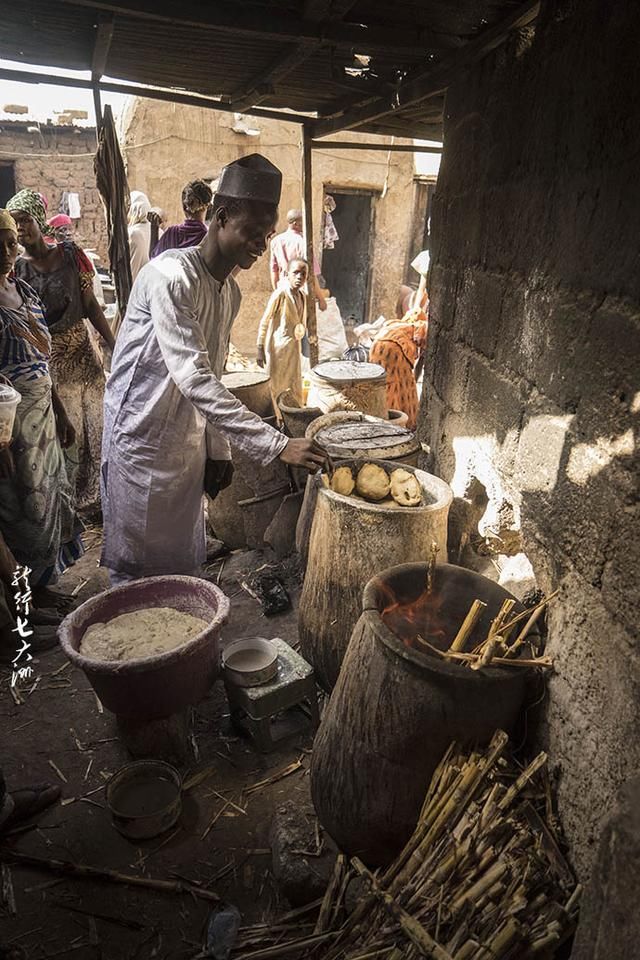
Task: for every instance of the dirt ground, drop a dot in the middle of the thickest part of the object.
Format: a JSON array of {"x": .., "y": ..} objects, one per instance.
[{"x": 58, "y": 722}]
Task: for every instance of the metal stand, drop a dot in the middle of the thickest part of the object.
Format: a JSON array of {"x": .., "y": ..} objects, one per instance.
[{"x": 254, "y": 709}]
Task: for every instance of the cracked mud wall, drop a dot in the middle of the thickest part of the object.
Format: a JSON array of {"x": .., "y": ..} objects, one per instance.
[{"x": 532, "y": 372}]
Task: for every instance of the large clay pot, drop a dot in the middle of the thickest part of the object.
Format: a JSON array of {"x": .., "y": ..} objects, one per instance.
[
  {"x": 395, "y": 710},
  {"x": 296, "y": 419},
  {"x": 350, "y": 541},
  {"x": 163, "y": 684},
  {"x": 349, "y": 385},
  {"x": 241, "y": 514},
  {"x": 345, "y": 434}
]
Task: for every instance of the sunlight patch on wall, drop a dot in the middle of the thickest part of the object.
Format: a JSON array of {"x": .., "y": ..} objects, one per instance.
[{"x": 586, "y": 460}]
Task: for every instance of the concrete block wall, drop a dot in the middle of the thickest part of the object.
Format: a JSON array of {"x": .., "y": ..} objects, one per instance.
[
  {"x": 532, "y": 370},
  {"x": 52, "y": 160}
]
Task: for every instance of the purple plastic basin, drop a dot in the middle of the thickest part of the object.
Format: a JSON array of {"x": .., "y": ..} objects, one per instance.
[{"x": 157, "y": 686}]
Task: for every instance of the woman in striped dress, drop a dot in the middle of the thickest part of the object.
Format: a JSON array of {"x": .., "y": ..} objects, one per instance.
[
  {"x": 62, "y": 277},
  {"x": 37, "y": 514}
]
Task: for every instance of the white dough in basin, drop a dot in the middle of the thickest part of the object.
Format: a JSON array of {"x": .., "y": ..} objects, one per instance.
[{"x": 141, "y": 633}]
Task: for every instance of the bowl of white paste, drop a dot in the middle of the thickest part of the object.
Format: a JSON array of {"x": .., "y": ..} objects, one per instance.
[
  {"x": 250, "y": 662},
  {"x": 149, "y": 648}
]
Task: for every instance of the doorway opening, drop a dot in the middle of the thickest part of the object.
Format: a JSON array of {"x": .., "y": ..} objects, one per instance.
[
  {"x": 7, "y": 181},
  {"x": 420, "y": 238},
  {"x": 347, "y": 267}
]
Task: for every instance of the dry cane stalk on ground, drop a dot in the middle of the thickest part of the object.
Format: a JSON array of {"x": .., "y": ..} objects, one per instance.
[{"x": 480, "y": 879}]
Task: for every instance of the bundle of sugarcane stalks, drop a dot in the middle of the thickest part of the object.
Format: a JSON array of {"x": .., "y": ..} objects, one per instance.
[{"x": 480, "y": 879}]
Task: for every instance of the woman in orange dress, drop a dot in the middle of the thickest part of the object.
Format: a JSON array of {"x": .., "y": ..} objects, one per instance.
[{"x": 398, "y": 347}]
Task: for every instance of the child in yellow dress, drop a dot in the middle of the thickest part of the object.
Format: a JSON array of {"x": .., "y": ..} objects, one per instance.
[{"x": 281, "y": 331}]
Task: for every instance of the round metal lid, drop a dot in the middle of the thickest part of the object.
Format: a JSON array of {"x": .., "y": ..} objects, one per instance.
[
  {"x": 348, "y": 435},
  {"x": 349, "y": 371},
  {"x": 244, "y": 378}
]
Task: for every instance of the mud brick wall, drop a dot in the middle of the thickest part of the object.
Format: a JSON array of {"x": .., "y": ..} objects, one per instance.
[
  {"x": 52, "y": 160},
  {"x": 532, "y": 367}
]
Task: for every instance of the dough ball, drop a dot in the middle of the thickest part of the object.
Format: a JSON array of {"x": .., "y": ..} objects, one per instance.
[
  {"x": 405, "y": 488},
  {"x": 372, "y": 482},
  {"x": 343, "y": 482}
]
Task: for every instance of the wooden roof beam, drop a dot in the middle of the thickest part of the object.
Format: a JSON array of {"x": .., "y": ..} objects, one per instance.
[
  {"x": 260, "y": 87},
  {"x": 256, "y": 21},
  {"x": 101, "y": 47},
  {"x": 434, "y": 81},
  {"x": 149, "y": 93}
]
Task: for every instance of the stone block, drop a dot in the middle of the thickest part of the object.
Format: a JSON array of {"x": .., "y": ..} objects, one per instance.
[
  {"x": 494, "y": 404},
  {"x": 478, "y": 310},
  {"x": 301, "y": 875}
]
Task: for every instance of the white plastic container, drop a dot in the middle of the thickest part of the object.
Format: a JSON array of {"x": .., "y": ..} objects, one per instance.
[{"x": 9, "y": 400}]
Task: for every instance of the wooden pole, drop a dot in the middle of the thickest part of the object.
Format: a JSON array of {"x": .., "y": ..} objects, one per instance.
[
  {"x": 307, "y": 211},
  {"x": 350, "y": 145},
  {"x": 97, "y": 105}
]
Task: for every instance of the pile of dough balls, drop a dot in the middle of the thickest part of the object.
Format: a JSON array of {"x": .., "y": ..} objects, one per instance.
[{"x": 372, "y": 482}]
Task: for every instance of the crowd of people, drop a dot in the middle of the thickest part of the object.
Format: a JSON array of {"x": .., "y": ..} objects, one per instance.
[{"x": 144, "y": 442}]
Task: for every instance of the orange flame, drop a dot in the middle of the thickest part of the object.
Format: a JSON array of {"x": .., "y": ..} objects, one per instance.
[{"x": 411, "y": 619}]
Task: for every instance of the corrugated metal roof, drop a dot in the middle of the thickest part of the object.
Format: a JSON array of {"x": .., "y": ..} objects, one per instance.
[{"x": 281, "y": 54}]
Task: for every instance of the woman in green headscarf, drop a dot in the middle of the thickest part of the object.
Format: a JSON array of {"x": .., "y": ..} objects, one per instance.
[{"x": 62, "y": 276}]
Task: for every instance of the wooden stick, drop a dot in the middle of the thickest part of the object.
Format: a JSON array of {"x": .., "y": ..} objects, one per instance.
[
  {"x": 215, "y": 818},
  {"x": 332, "y": 888},
  {"x": 82, "y": 870},
  {"x": 488, "y": 648},
  {"x": 412, "y": 928},
  {"x": 291, "y": 768},
  {"x": 545, "y": 662},
  {"x": 431, "y": 565},
  {"x": 108, "y": 917},
  {"x": 473, "y": 615},
  {"x": 536, "y": 764},
  {"x": 525, "y": 613},
  {"x": 522, "y": 636},
  {"x": 285, "y": 949}
]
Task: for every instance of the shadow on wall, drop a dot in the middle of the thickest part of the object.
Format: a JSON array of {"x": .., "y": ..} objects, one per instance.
[{"x": 571, "y": 479}]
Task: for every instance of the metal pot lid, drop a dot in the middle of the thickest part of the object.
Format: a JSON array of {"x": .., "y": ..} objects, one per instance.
[
  {"x": 365, "y": 437},
  {"x": 244, "y": 378},
  {"x": 349, "y": 371}
]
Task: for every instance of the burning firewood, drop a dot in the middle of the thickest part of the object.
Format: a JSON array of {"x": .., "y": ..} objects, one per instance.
[
  {"x": 480, "y": 879},
  {"x": 433, "y": 553},
  {"x": 489, "y": 647},
  {"x": 475, "y": 612},
  {"x": 495, "y": 648}
]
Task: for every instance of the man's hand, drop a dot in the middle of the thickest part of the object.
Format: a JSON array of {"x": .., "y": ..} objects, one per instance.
[
  {"x": 154, "y": 218},
  {"x": 7, "y": 466},
  {"x": 65, "y": 430},
  {"x": 261, "y": 359},
  {"x": 305, "y": 453}
]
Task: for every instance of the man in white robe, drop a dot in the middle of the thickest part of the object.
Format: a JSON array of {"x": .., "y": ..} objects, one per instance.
[{"x": 166, "y": 409}]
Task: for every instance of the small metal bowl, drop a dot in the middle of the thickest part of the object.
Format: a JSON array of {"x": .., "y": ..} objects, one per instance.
[
  {"x": 250, "y": 662},
  {"x": 145, "y": 798}
]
